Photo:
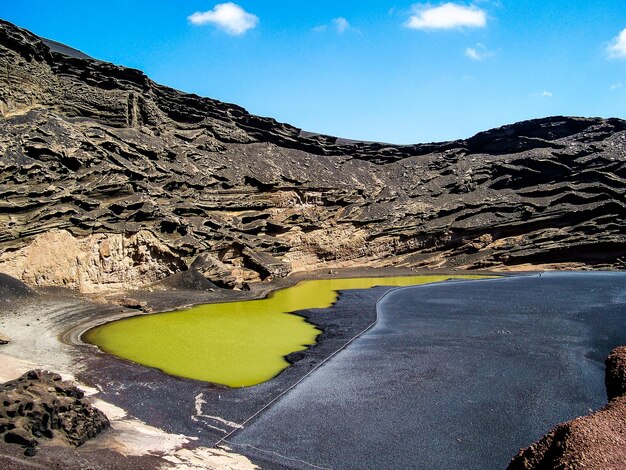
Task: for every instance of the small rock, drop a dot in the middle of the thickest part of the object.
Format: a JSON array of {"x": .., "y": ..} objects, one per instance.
[
  {"x": 21, "y": 437},
  {"x": 134, "y": 304},
  {"x": 30, "y": 451},
  {"x": 4, "y": 339},
  {"x": 615, "y": 373}
]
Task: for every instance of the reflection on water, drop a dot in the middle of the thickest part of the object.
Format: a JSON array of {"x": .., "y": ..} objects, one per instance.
[{"x": 236, "y": 343}]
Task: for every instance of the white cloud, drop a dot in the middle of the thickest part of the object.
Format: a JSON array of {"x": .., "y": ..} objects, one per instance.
[
  {"x": 616, "y": 86},
  {"x": 227, "y": 16},
  {"x": 617, "y": 48},
  {"x": 473, "y": 54},
  {"x": 341, "y": 24},
  {"x": 546, "y": 94},
  {"x": 480, "y": 52},
  {"x": 446, "y": 16}
]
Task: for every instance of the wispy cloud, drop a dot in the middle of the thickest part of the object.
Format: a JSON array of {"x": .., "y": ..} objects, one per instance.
[
  {"x": 543, "y": 94},
  {"x": 229, "y": 17},
  {"x": 480, "y": 52},
  {"x": 616, "y": 86},
  {"x": 617, "y": 48},
  {"x": 446, "y": 16},
  {"x": 340, "y": 25}
]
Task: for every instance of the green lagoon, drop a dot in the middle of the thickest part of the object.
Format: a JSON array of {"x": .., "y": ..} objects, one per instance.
[{"x": 237, "y": 344}]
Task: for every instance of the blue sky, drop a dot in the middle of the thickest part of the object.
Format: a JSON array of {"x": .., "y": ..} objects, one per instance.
[{"x": 389, "y": 70}]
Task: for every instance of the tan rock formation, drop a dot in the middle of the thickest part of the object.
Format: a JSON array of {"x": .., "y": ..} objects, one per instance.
[{"x": 93, "y": 263}]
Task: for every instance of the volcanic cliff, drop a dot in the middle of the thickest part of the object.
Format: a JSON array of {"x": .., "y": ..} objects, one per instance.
[{"x": 110, "y": 180}]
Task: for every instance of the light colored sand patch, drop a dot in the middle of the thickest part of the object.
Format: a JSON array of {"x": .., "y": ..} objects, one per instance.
[
  {"x": 199, "y": 401},
  {"x": 34, "y": 332},
  {"x": 89, "y": 391},
  {"x": 114, "y": 413},
  {"x": 203, "y": 457},
  {"x": 11, "y": 368},
  {"x": 132, "y": 437}
]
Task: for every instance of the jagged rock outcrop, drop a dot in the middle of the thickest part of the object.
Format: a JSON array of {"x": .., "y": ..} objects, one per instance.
[
  {"x": 615, "y": 375},
  {"x": 594, "y": 442},
  {"x": 41, "y": 406},
  {"x": 91, "y": 148}
]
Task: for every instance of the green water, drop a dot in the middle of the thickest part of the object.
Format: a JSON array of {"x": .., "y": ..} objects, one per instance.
[{"x": 235, "y": 343}]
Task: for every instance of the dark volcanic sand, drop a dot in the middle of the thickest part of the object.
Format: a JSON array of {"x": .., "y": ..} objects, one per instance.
[
  {"x": 456, "y": 375},
  {"x": 170, "y": 402}
]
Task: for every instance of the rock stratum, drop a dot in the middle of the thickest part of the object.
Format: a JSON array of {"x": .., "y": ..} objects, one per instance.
[{"x": 109, "y": 180}]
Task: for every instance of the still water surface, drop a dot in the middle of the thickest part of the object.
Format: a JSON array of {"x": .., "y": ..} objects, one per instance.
[{"x": 236, "y": 344}]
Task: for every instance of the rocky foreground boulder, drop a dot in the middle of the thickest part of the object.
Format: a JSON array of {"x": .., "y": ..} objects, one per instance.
[
  {"x": 40, "y": 407},
  {"x": 594, "y": 442},
  {"x": 109, "y": 180}
]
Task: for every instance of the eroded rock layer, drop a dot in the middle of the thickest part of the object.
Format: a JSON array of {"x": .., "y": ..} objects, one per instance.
[{"x": 93, "y": 156}]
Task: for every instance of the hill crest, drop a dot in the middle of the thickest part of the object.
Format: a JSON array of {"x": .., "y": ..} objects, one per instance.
[{"x": 126, "y": 182}]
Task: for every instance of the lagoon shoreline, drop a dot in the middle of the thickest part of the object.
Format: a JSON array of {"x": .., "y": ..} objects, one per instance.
[{"x": 46, "y": 329}]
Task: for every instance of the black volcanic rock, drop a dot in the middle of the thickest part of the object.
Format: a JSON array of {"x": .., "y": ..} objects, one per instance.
[
  {"x": 11, "y": 288},
  {"x": 65, "y": 50},
  {"x": 39, "y": 406},
  {"x": 98, "y": 159}
]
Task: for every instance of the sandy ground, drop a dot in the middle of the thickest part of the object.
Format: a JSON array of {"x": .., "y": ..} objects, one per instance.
[
  {"x": 129, "y": 436},
  {"x": 38, "y": 327}
]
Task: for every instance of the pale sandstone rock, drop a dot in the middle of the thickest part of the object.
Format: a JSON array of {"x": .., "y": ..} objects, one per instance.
[{"x": 93, "y": 263}]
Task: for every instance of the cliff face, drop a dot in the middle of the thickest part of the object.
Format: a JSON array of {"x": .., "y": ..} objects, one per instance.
[{"x": 94, "y": 156}]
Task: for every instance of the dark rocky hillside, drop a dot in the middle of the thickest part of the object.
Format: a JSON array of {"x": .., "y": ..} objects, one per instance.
[{"x": 111, "y": 180}]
